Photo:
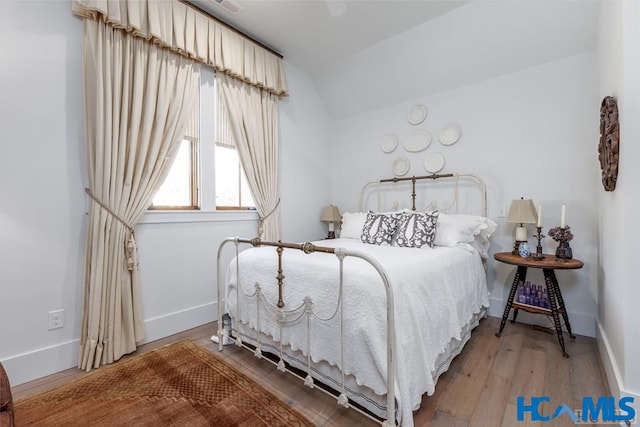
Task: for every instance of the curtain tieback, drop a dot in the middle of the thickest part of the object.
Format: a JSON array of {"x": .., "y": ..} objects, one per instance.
[
  {"x": 263, "y": 218},
  {"x": 131, "y": 244}
]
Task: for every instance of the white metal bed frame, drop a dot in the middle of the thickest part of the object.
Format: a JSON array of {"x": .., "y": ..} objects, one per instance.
[
  {"x": 306, "y": 308},
  {"x": 285, "y": 314},
  {"x": 375, "y": 185}
]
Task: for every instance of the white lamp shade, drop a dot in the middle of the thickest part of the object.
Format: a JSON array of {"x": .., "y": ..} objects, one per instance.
[{"x": 522, "y": 211}]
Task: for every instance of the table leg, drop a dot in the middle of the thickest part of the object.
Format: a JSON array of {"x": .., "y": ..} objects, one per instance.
[
  {"x": 521, "y": 274},
  {"x": 549, "y": 277},
  {"x": 515, "y": 315},
  {"x": 561, "y": 306}
]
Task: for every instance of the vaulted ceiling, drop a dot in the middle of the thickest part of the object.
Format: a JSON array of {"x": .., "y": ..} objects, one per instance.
[
  {"x": 313, "y": 33},
  {"x": 365, "y": 54}
]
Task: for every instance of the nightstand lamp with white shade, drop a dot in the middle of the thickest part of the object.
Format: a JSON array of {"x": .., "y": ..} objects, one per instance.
[
  {"x": 331, "y": 215},
  {"x": 522, "y": 211}
]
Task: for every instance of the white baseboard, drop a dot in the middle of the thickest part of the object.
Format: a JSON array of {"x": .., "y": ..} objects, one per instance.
[
  {"x": 581, "y": 324},
  {"x": 608, "y": 361},
  {"x": 41, "y": 362},
  {"x": 45, "y": 361},
  {"x": 172, "y": 323},
  {"x": 612, "y": 372}
]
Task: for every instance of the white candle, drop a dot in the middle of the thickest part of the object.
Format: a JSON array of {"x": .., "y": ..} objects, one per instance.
[
  {"x": 562, "y": 216},
  {"x": 539, "y": 215}
]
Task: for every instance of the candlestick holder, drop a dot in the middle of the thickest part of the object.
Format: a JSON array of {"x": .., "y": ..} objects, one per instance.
[
  {"x": 538, "y": 255},
  {"x": 563, "y": 236}
]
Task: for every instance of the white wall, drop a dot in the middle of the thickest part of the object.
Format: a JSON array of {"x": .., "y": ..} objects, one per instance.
[
  {"x": 306, "y": 165},
  {"x": 42, "y": 215},
  {"x": 618, "y": 315},
  {"x": 531, "y": 133}
]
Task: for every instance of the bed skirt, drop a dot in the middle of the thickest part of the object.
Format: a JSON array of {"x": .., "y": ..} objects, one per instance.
[{"x": 331, "y": 376}]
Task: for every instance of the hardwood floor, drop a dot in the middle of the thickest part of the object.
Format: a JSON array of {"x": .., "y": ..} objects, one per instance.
[{"x": 479, "y": 389}]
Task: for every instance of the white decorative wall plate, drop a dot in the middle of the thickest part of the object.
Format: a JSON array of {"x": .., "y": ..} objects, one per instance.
[
  {"x": 417, "y": 114},
  {"x": 400, "y": 166},
  {"x": 450, "y": 134},
  {"x": 434, "y": 162},
  {"x": 389, "y": 143},
  {"x": 417, "y": 141}
]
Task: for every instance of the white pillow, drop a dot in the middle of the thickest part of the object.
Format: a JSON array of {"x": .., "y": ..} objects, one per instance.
[
  {"x": 458, "y": 230},
  {"x": 352, "y": 225}
]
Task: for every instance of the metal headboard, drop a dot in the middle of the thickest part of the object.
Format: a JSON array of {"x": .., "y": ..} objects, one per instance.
[{"x": 413, "y": 179}]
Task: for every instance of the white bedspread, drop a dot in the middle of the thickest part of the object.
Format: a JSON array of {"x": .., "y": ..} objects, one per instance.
[{"x": 436, "y": 292}]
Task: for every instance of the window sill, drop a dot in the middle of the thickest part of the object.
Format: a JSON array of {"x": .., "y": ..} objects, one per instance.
[{"x": 170, "y": 216}]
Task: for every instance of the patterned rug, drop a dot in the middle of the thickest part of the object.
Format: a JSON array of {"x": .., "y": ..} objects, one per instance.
[{"x": 182, "y": 384}]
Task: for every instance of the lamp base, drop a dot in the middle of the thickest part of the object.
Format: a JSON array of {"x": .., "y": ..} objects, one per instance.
[
  {"x": 331, "y": 235},
  {"x": 516, "y": 247}
]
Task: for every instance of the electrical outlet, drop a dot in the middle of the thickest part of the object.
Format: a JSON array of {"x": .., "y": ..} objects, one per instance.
[
  {"x": 502, "y": 211},
  {"x": 56, "y": 319}
]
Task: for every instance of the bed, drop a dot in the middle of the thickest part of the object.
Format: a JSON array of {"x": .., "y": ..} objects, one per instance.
[{"x": 375, "y": 321}]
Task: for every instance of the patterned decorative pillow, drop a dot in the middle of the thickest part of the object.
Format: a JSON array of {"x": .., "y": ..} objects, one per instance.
[
  {"x": 379, "y": 228},
  {"x": 417, "y": 229}
]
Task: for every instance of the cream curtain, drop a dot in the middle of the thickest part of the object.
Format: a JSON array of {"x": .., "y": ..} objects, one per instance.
[
  {"x": 223, "y": 136},
  {"x": 138, "y": 99},
  {"x": 184, "y": 30},
  {"x": 253, "y": 119}
]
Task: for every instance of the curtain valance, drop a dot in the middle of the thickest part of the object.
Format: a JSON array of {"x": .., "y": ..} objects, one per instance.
[{"x": 183, "y": 29}]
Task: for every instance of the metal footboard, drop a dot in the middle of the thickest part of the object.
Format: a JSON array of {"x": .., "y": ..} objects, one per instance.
[{"x": 285, "y": 314}]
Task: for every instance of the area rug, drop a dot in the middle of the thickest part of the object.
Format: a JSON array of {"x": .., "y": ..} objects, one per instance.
[{"x": 182, "y": 384}]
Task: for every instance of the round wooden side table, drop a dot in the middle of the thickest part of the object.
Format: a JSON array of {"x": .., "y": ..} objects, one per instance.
[{"x": 548, "y": 264}]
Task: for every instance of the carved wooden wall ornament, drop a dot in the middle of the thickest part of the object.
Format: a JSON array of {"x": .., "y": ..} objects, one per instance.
[{"x": 609, "y": 147}]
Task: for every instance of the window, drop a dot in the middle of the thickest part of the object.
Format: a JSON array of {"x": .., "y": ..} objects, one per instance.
[
  {"x": 232, "y": 189},
  {"x": 207, "y": 155},
  {"x": 180, "y": 187}
]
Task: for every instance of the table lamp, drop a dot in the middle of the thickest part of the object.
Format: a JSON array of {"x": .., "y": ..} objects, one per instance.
[
  {"x": 521, "y": 211},
  {"x": 331, "y": 215}
]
